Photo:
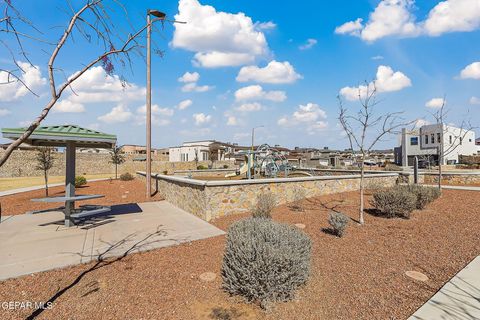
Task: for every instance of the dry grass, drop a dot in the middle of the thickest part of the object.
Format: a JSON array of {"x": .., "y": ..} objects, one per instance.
[{"x": 23, "y": 182}]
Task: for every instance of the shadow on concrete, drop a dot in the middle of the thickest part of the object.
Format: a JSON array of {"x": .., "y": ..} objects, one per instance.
[
  {"x": 102, "y": 218},
  {"x": 104, "y": 260}
]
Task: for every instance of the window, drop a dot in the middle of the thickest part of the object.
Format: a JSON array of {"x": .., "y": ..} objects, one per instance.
[
  {"x": 432, "y": 136},
  {"x": 439, "y": 137},
  {"x": 461, "y": 140},
  {"x": 414, "y": 141},
  {"x": 469, "y": 140},
  {"x": 186, "y": 156},
  {"x": 426, "y": 139},
  {"x": 450, "y": 139}
]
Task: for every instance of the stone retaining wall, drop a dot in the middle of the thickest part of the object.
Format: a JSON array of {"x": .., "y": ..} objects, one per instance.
[
  {"x": 206, "y": 172},
  {"x": 453, "y": 178},
  {"x": 212, "y": 199},
  {"x": 22, "y": 163}
]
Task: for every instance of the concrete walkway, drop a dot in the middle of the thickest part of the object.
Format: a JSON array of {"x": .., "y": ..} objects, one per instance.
[
  {"x": 33, "y": 243},
  {"x": 457, "y": 299}
]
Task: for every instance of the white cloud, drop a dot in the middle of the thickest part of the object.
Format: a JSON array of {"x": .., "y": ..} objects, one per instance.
[
  {"x": 266, "y": 25},
  {"x": 218, "y": 38},
  {"x": 191, "y": 85},
  {"x": 118, "y": 114},
  {"x": 141, "y": 119},
  {"x": 395, "y": 18},
  {"x": 351, "y": 27},
  {"x": 308, "y": 45},
  {"x": 67, "y": 106},
  {"x": 222, "y": 59},
  {"x": 189, "y": 77},
  {"x": 201, "y": 118},
  {"x": 194, "y": 87},
  {"x": 420, "y": 122},
  {"x": 386, "y": 81},
  {"x": 274, "y": 72},
  {"x": 472, "y": 71},
  {"x": 12, "y": 89},
  {"x": 232, "y": 121},
  {"x": 156, "y": 109},
  {"x": 474, "y": 100},
  {"x": 256, "y": 92},
  {"x": 96, "y": 86},
  {"x": 377, "y": 58},
  {"x": 435, "y": 103},
  {"x": 249, "y": 107},
  {"x": 453, "y": 15},
  {"x": 309, "y": 116},
  {"x": 184, "y": 104},
  {"x": 4, "y": 112}
]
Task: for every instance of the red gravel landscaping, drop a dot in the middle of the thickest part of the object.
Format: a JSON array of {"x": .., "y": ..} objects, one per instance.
[
  {"x": 360, "y": 276},
  {"x": 115, "y": 192}
]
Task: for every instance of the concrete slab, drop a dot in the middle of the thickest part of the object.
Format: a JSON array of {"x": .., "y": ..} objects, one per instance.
[
  {"x": 457, "y": 299},
  {"x": 34, "y": 243}
]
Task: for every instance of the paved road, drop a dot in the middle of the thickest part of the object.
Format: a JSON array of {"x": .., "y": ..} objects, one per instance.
[
  {"x": 33, "y": 243},
  {"x": 457, "y": 299}
]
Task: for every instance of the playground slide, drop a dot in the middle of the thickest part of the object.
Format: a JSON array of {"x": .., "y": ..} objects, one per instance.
[{"x": 243, "y": 169}]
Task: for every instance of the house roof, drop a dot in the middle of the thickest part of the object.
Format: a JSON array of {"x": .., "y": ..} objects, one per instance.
[{"x": 58, "y": 136}]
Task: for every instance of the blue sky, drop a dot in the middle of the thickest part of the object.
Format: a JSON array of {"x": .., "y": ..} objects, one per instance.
[{"x": 261, "y": 63}]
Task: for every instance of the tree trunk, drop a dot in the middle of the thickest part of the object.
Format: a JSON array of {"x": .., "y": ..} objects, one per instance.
[
  {"x": 45, "y": 173},
  {"x": 440, "y": 161},
  {"x": 116, "y": 170},
  {"x": 362, "y": 187}
]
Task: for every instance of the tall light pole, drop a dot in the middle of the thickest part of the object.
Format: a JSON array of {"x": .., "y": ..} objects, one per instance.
[
  {"x": 159, "y": 16},
  {"x": 249, "y": 175}
]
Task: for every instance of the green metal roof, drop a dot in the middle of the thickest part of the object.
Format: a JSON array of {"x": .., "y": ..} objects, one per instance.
[{"x": 60, "y": 135}]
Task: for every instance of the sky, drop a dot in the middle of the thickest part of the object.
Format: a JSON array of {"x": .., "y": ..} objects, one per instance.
[{"x": 236, "y": 65}]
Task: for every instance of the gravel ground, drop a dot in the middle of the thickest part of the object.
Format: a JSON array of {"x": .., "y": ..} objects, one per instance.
[
  {"x": 360, "y": 276},
  {"x": 115, "y": 191}
]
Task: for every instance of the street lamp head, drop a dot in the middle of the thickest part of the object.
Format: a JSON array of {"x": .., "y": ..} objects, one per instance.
[{"x": 157, "y": 14}]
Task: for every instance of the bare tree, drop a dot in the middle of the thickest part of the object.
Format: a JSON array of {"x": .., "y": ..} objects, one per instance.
[
  {"x": 196, "y": 158},
  {"x": 45, "y": 162},
  {"x": 117, "y": 158},
  {"x": 365, "y": 129},
  {"x": 94, "y": 23},
  {"x": 456, "y": 136}
]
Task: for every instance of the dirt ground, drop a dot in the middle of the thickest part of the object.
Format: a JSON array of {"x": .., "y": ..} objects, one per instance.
[
  {"x": 115, "y": 191},
  {"x": 359, "y": 276}
]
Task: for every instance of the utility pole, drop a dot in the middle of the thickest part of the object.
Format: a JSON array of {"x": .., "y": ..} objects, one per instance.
[{"x": 148, "y": 174}]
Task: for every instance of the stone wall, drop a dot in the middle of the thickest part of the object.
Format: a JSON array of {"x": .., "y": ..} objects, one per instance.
[
  {"x": 463, "y": 178},
  {"x": 206, "y": 172},
  {"x": 22, "y": 163},
  {"x": 212, "y": 199}
]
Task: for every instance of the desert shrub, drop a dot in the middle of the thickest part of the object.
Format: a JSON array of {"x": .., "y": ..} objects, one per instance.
[
  {"x": 424, "y": 195},
  {"x": 80, "y": 181},
  {"x": 165, "y": 172},
  {"x": 392, "y": 167},
  {"x": 225, "y": 166},
  {"x": 202, "y": 167},
  {"x": 264, "y": 205},
  {"x": 394, "y": 202},
  {"x": 126, "y": 176},
  {"x": 265, "y": 261},
  {"x": 339, "y": 222},
  {"x": 298, "y": 195}
]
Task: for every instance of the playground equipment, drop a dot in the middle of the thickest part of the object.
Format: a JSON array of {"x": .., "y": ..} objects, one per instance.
[{"x": 265, "y": 161}]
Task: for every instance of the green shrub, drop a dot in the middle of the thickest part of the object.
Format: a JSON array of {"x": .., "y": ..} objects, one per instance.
[
  {"x": 424, "y": 195},
  {"x": 394, "y": 202},
  {"x": 80, "y": 181},
  {"x": 225, "y": 166},
  {"x": 265, "y": 261},
  {"x": 264, "y": 205},
  {"x": 126, "y": 176},
  {"x": 202, "y": 167},
  {"x": 339, "y": 222}
]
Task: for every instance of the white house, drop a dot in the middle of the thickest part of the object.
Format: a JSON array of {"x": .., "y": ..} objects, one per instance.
[
  {"x": 428, "y": 140},
  {"x": 198, "y": 150}
]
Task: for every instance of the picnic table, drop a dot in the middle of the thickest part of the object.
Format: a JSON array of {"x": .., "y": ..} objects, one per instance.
[{"x": 71, "y": 213}]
